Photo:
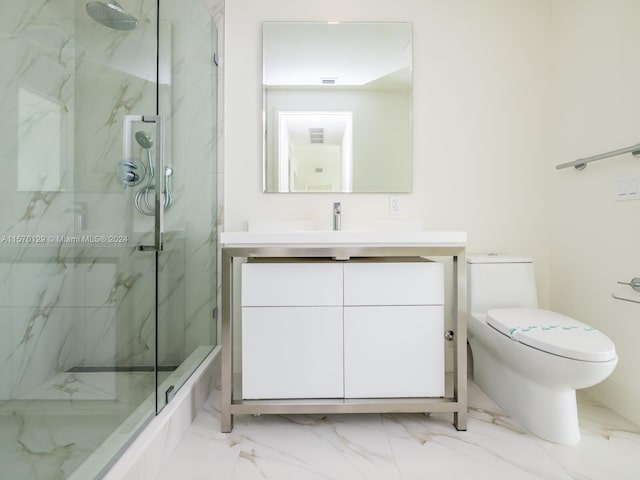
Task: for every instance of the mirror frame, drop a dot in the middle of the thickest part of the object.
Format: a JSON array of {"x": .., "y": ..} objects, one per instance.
[{"x": 377, "y": 102}]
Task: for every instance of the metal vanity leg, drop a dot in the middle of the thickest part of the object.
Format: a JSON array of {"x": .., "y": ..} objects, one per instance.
[
  {"x": 460, "y": 345},
  {"x": 226, "y": 418}
]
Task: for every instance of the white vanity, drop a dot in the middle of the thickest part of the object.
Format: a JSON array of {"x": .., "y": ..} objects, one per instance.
[{"x": 340, "y": 322}]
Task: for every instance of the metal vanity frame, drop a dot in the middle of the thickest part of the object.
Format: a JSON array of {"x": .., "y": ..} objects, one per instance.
[{"x": 457, "y": 404}]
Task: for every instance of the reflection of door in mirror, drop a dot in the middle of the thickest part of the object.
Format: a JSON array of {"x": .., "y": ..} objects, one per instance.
[
  {"x": 337, "y": 107},
  {"x": 315, "y": 151}
]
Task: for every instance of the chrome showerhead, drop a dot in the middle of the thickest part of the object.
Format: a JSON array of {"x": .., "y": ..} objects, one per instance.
[
  {"x": 144, "y": 139},
  {"x": 111, "y": 15},
  {"x": 146, "y": 142}
]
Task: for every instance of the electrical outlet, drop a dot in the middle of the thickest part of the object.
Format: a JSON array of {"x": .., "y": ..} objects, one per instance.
[
  {"x": 627, "y": 188},
  {"x": 394, "y": 205}
]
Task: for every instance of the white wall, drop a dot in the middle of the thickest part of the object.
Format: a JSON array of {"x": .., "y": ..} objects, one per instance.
[
  {"x": 503, "y": 91},
  {"x": 596, "y": 240},
  {"x": 480, "y": 89}
]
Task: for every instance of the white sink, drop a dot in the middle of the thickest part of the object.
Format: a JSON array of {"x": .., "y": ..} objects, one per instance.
[
  {"x": 355, "y": 232},
  {"x": 325, "y": 238},
  {"x": 348, "y": 224}
]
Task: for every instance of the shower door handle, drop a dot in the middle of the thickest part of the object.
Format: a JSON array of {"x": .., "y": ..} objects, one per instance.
[{"x": 159, "y": 163}]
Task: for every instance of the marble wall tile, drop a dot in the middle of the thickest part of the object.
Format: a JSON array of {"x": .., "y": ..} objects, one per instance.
[
  {"x": 171, "y": 321},
  {"x": 7, "y": 371},
  {"x": 135, "y": 330},
  {"x": 44, "y": 343},
  {"x": 99, "y": 75},
  {"x": 115, "y": 73},
  {"x": 193, "y": 119},
  {"x": 38, "y": 285},
  {"x": 37, "y": 106},
  {"x": 99, "y": 281},
  {"x": 199, "y": 324},
  {"x": 25, "y": 284},
  {"x": 84, "y": 305},
  {"x": 106, "y": 212},
  {"x": 100, "y": 333},
  {"x": 36, "y": 116},
  {"x": 200, "y": 252}
]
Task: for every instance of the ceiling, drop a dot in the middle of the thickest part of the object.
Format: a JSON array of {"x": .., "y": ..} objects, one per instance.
[{"x": 349, "y": 54}]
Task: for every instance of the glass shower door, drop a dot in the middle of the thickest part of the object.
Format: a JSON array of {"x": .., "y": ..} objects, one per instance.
[
  {"x": 77, "y": 294},
  {"x": 187, "y": 263},
  {"x": 101, "y": 319}
]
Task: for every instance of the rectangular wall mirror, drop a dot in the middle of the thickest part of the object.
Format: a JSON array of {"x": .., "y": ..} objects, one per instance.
[{"x": 337, "y": 107}]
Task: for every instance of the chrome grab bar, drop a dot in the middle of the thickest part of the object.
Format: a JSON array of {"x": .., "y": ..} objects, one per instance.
[
  {"x": 634, "y": 284},
  {"x": 581, "y": 163},
  {"x": 624, "y": 299},
  {"x": 159, "y": 201}
]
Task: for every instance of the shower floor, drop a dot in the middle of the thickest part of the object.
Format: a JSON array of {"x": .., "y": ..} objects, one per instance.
[
  {"x": 80, "y": 419},
  {"x": 49, "y": 433}
]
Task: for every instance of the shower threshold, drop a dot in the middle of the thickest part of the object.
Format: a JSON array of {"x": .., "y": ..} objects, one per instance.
[{"x": 122, "y": 368}]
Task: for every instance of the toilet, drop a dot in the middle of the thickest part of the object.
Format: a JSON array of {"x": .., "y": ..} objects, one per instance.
[{"x": 528, "y": 360}]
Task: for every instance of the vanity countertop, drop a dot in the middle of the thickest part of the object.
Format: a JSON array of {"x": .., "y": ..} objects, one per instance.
[{"x": 328, "y": 238}]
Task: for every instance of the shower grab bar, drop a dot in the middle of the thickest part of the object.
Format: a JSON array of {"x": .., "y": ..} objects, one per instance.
[
  {"x": 634, "y": 284},
  {"x": 581, "y": 163},
  {"x": 624, "y": 299}
]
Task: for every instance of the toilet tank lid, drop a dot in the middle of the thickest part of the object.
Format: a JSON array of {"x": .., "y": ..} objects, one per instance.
[{"x": 489, "y": 258}]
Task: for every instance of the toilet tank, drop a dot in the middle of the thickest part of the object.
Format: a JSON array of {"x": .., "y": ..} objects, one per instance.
[{"x": 500, "y": 281}]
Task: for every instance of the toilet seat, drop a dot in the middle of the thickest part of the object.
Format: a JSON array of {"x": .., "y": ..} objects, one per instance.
[{"x": 553, "y": 333}]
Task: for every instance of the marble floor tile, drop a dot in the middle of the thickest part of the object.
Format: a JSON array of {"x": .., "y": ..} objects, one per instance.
[
  {"x": 93, "y": 386},
  {"x": 493, "y": 447},
  {"x": 403, "y": 447},
  {"x": 49, "y": 447},
  {"x": 204, "y": 452},
  {"x": 56, "y": 427},
  {"x": 609, "y": 447},
  {"x": 316, "y": 447}
]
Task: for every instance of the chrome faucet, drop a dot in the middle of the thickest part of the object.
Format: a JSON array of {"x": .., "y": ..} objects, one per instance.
[
  {"x": 79, "y": 210},
  {"x": 337, "y": 212}
]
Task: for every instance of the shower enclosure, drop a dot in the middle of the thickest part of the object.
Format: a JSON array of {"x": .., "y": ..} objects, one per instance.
[{"x": 107, "y": 223}]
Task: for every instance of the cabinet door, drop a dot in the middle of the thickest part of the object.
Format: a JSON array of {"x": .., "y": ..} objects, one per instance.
[
  {"x": 292, "y": 352},
  {"x": 394, "y": 351},
  {"x": 291, "y": 284},
  {"x": 405, "y": 283}
]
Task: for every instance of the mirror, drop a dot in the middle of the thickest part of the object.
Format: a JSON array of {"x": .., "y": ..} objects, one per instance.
[{"x": 337, "y": 107}]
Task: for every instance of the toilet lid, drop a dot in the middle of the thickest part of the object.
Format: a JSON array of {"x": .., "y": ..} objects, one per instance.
[{"x": 552, "y": 332}]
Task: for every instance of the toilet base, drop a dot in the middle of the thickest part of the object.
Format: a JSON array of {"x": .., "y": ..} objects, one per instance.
[{"x": 549, "y": 413}]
